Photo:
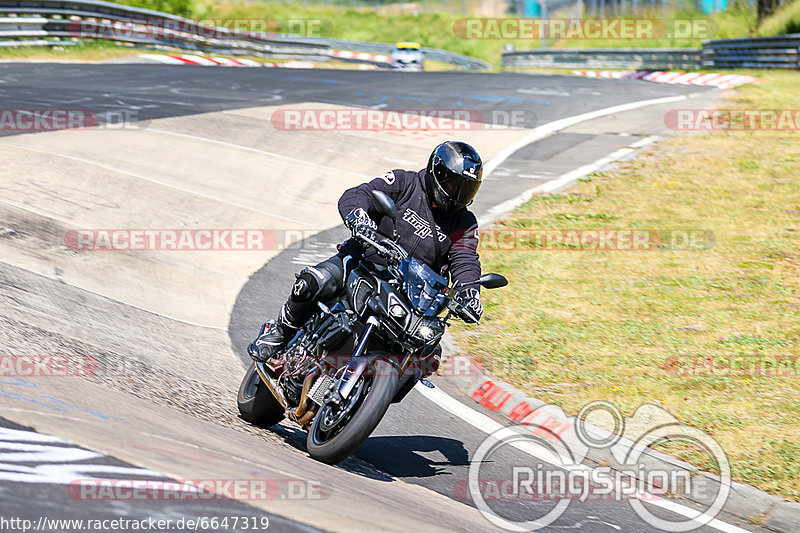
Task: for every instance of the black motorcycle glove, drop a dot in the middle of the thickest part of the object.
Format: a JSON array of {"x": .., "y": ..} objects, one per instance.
[
  {"x": 359, "y": 221},
  {"x": 471, "y": 298}
]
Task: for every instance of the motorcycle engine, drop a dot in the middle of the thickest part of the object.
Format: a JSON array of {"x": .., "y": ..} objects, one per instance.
[{"x": 298, "y": 356}]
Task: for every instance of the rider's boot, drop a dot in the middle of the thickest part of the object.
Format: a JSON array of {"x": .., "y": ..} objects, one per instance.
[
  {"x": 310, "y": 284},
  {"x": 273, "y": 336}
]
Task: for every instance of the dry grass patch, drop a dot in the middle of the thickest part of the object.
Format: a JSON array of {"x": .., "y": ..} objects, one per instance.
[
  {"x": 576, "y": 326},
  {"x": 82, "y": 51}
]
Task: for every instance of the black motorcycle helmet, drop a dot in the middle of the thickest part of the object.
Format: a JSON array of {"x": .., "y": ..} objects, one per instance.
[{"x": 453, "y": 175}]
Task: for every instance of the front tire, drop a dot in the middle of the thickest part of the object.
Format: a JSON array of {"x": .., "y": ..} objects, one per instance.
[
  {"x": 374, "y": 393},
  {"x": 257, "y": 405}
]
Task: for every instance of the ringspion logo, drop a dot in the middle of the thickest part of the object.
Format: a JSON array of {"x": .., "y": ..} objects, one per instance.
[{"x": 557, "y": 471}]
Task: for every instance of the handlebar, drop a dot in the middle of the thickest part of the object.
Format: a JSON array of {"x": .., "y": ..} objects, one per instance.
[
  {"x": 395, "y": 253},
  {"x": 384, "y": 247},
  {"x": 458, "y": 308}
]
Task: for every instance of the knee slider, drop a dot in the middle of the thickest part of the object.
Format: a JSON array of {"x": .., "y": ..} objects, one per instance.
[{"x": 305, "y": 288}]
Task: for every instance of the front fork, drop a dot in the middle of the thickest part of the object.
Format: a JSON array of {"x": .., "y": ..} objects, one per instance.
[{"x": 356, "y": 366}]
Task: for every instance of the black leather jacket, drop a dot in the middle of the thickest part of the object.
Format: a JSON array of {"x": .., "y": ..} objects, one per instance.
[{"x": 457, "y": 233}]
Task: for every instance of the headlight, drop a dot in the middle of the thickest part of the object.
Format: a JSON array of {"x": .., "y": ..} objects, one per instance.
[
  {"x": 429, "y": 330},
  {"x": 397, "y": 311},
  {"x": 426, "y": 333}
]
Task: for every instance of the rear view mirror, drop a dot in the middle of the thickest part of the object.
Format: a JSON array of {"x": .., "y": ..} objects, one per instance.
[
  {"x": 493, "y": 281},
  {"x": 384, "y": 204}
]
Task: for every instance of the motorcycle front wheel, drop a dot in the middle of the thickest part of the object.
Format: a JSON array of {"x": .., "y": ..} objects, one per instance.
[{"x": 338, "y": 431}]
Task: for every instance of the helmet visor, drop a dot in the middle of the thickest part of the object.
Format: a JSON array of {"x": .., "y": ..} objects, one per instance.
[{"x": 459, "y": 189}]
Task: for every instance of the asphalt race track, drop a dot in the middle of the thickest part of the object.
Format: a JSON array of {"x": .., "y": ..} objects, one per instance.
[
  {"x": 168, "y": 328},
  {"x": 54, "y": 501}
]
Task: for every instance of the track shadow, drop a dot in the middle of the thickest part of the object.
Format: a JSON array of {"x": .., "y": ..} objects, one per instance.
[
  {"x": 409, "y": 455},
  {"x": 399, "y": 456},
  {"x": 296, "y": 438}
]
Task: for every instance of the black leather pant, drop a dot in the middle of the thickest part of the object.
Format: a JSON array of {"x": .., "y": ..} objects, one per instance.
[{"x": 313, "y": 284}]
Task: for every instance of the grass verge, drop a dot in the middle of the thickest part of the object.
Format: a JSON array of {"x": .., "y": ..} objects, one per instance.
[
  {"x": 785, "y": 20},
  {"x": 436, "y": 30},
  {"x": 634, "y": 327},
  {"x": 82, "y": 51},
  {"x": 432, "y": 29}
]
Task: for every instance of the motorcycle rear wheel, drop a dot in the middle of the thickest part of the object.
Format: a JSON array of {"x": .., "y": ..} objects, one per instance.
[
  {"x": 256, "y": 403},
  {"x": 370, "y": 400}
]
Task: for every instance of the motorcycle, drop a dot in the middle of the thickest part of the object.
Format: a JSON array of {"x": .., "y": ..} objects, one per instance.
[{"x": 361, "y": 351}]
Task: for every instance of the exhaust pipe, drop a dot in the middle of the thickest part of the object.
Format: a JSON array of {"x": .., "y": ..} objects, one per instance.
[
  {"x": 308, "y": 417},
  {"x": 272, "y": 385},
  {"x": 302, "y": 407}
]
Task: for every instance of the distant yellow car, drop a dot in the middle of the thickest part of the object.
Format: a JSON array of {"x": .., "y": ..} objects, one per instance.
[{"x": 408, "y": 56}]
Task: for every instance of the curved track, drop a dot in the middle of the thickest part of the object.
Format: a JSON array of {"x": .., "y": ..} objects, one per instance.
[{"x": 168, "y": 328}]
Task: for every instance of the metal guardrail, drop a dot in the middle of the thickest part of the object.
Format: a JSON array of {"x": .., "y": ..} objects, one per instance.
[
  {"x": 62, "y": 22},
  {"x": 605, "y": 58},
  {"x": 55, "y": 22},
  {"x": 469, "y": 63},
  {"x": 781, "y": 51}
]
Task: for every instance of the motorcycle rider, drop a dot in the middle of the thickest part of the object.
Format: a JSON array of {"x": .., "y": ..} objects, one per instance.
[{"x": 437, "y": 195}]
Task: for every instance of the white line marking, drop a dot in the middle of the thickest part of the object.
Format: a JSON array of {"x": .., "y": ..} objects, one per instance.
[
  {"x": 485, "y": 424},
  {"x": 41, "y": 453},
  {"x": 560, "y": 182},
  {"x": 56, "y": 451},
  {"x": 400, "y": 161},
  {"x": 257, "y": 151},
  {"x": 162, "y": 183},
  {"x": 551, "y": 127}
]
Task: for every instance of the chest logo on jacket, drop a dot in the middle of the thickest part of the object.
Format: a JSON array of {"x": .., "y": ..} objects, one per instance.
[{"x": 421, "y": 225}]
